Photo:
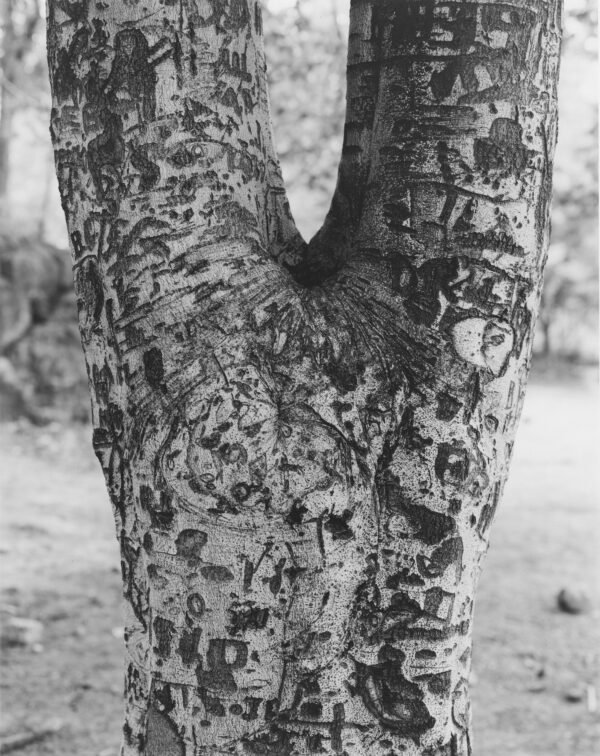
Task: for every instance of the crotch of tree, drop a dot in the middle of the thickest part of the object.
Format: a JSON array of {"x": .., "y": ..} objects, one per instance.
[{"x": 304, "y": 442}]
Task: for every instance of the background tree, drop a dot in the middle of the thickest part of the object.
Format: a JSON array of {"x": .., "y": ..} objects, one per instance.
[
  {"x": 21, "y": 75},
  {"x": 304, "y": 443},
  {"x": 306, "y": 46},
  {"x": 569, "y": 311},
  {"x": 34, "y": 275}
]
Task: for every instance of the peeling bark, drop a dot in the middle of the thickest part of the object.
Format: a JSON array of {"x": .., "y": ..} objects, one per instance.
[{"x": 304, "y": 443}]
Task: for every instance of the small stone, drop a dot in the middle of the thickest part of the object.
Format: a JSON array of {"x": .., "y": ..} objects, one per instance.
[
  {"x": 575, "y": 694},
  {"x": 572, "y": 601},
  {"x": 58, "y": 615},
  {"x": 21, "y": 631}
]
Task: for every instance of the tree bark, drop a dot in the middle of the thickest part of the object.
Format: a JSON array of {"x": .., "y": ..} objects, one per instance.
[{"x": 304, "y": 443}]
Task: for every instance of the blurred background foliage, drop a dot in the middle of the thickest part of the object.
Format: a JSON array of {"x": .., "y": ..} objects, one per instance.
[{"x": 42, "y": 375}]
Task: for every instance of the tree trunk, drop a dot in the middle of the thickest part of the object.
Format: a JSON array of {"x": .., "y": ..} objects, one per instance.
[
  {"x": 304, "y": 444},
  {"x": 16, "y": 41},
  {"x": 547, "y": 343},
  {"x": 6, "y": 101}
]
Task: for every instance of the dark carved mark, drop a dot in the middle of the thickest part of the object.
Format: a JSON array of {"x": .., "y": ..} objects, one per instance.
[
  {"x": 106, "y": 154},
  {"x": 448, "y": 407},
  {"x": 188, "y": 645},
  {"x": 405, "y": 577},
  {"x": 149, "y": 171},
  {"x": 161, "y": 512},
  {"x": 502, "y": 152},
  {"x": 431, "y": 527},
  {"x": 219, "y": 675},
  {"x": 337, "y": 725},
  {"x": 162, "y": 737},
  {"x": 133, "y": 72},
  {"x": 489, "y": 510},
  {"x": 153, "y": 367},
  {"x": 450, "y": 552},
  {"x": 163, "y": 695},
  {"x": 196, "y": 605},
  {"x": 311, "y": 709},
  {"x": 217, "y": 573},
  {"x": 395, "y": 701},
  {"x": 452, "y": 463},
  {"x": 338, "y": 526},
  {"x": 90, "y": 295},
  {"x": 420, "y": 287},
  {"x": 190, "y": 543},
  {"x": 409, "y": 431},
  {"x": 164, "y": 630},
  {"x": 247, "y": 616},
  {"x": 276, "y": 580},
  {"x": 212, "y": 704},
  {"x": 132, "y": 590},
  {"x": 275, "y": 742}
]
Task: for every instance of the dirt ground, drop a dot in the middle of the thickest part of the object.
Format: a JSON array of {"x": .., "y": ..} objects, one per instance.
[{"x": 60, "y": 566}]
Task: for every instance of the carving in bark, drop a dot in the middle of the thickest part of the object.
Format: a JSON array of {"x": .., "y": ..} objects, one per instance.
[{"x": 304, "y": 443}]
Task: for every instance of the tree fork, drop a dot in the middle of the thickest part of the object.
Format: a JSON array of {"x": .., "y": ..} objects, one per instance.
[{"x": 304, "y": 443}]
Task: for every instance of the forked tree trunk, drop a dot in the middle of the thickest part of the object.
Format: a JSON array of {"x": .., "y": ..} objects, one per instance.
[{"x": 304, "y": 444}]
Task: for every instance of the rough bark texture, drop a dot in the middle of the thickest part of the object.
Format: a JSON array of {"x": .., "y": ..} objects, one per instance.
[{"x": 304, "y": 444}]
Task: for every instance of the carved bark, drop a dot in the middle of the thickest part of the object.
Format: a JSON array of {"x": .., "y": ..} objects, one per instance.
[{"x": 304, "y": 444}]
